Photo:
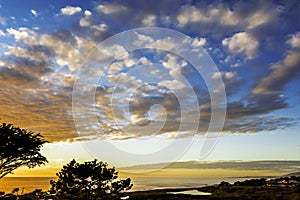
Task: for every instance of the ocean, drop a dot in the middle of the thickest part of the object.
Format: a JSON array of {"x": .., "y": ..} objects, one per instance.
[{"x": 28, "y": 184}]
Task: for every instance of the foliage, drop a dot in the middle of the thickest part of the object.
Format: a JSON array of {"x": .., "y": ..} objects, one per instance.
[
  {"x": 90, "y": 180},
  {"x": 19, "y": 147}
]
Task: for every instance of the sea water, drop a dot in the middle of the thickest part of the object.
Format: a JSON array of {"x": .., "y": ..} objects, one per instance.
[{"x": 29, "y": 184}]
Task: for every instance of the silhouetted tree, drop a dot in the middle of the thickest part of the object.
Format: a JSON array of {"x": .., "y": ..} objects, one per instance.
[
  {"x": 90, "y": 180},
  {"x": 19, "y": 147}
]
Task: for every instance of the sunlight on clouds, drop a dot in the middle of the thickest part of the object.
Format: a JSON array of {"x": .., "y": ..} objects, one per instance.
[
  {"x": 34, "y": 12},
  {"x": 23, "y": 34},
  {"x": 111, "y": 8},
  {"x": 192, "y": 14},
  {"x": 267, "y": 14},
  {"x": 70, "y": 10},
  {"x": 2, "y": 33},
  {"x": 242, "y": 43},
  {"x": 283, "y": 71},
  {"x": 197, "y": 42},
  {"x": 294, "y": 41},
  {"x": 149, "y": 20},
  {"x": 279, "y": 75},
  {"x": 172, "y": 85}
]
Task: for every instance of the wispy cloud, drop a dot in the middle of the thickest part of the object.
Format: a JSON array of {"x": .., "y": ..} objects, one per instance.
[
  {"x": 282, "y": 72},
  {"x": 2, "y": 21},
  {"x": 34, "y": 13}
]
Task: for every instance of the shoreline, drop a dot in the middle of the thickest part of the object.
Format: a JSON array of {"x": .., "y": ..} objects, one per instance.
[
  {"x": 7, "y": 184},
  {"x": 251, "y": 188}
]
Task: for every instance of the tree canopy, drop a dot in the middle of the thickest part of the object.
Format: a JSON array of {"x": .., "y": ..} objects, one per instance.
[
  {"x": 19, "y": 147},
  {"x": 89, "y": 180}
]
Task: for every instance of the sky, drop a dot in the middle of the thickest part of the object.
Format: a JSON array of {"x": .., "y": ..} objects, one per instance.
[{"x": 135, "y": 82}]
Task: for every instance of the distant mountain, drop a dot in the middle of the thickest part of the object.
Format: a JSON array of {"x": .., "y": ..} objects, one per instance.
[
  {"x": 293, "y": 174},
  {"x": 280, "y": 166}
]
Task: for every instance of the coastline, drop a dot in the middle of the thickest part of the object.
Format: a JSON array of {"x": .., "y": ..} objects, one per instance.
[
  {"x": 253, "y": 188},
  {"x": 7, "y": 184}
]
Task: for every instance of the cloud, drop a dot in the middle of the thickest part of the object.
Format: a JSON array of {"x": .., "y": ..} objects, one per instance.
[
  {"x": 172, "y": 85},
  {"x": 257, "y": 124},
  {"x": 87, "y": 13},
  {"x": 39, "y": 110},
  {"x": 282, "y": 72},
  {"x": 37, "y": 73},
  {"x": 267, "y": 13},
  {"x": 258, "y": 104},
  {"x": 86, "y": 20},
  {"x": 283, "y": 167},
  {"x": 197, "y": 42},
  {"x": 2, "y": 21},
  {"x": 294, "y": 41},
  {"x": 70, "y": 10},
  {"x": 2, "y": 33},
  {"x": 149, "y": 20},
  {"x": 111, "y": 8},
  {"x": 192, "y": 14},
  {"x": 62, "y": 48},
  {"x": 22, "y": 34},
  {"x": 232, "y": 82},
  {"x": 34, "y": 12},
  {"x": 242, "y": 43},
  {"x": 36, "y": 79}
]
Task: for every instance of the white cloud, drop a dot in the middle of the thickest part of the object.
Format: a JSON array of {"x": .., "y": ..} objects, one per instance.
[
  {"x": 2, "y": 21},
  {"x": 165, "y": 43},
  {"x": 197, "y": 42},
  {"x": 171, "y": 62},
  {"x": 191, "y": 14},
  {"x": 85, "y": 21},
  {"x": 225, "y": 75},
  {"x": 2, "y": 33},
  {"x": 87, "y": 13},
  {"x": 23, "y": 34},
  {"x": 111, "y": 8},
  {"x": 125, "y": 80},
  {"x": 266, "y": 14},
  {"x": 294, "y": 41},
  {"x": 142, "y": 40},
  {"x": 34, "y": 12},
  {"x": 117, "y": 51},
  {"x": 144, "y": 60},
  {"x": 129, "y": 62},
  {"x": 242, "y": 43},
  {"x": 115, "y": 67},
  {"x": 100, "y": 27},
  {"x": 149, "y": 20},
  {"x": 172, "y": 84},
  {"x": 280, "y": 74},
  {"x": 69, "y": 10},
  {"x": 257, "y": 19}
]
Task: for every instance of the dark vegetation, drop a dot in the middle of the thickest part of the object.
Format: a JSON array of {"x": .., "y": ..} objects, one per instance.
[
  {"x": 90, "y": 180},
  {"x": 19, "y": 147},
  {"x": 87, "y": 181}
]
